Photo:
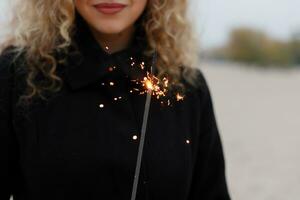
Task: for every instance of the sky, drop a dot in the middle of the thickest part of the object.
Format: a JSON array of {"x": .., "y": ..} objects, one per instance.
[{"x": 214, "y": 19}]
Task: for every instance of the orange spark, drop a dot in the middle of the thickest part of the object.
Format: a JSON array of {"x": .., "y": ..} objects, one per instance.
[{"x": 179, "y": 97}]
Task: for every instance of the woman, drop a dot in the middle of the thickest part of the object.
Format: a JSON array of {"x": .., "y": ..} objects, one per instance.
[{"x": 74, "y": 79}]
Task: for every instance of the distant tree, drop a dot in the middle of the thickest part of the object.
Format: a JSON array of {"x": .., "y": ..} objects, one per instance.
[
  {"x": 255, "y": 47},
  {"x": 295, "y": 47},
  {"x": 277, "y": 53},
  {"x": 246, "y": 45}
]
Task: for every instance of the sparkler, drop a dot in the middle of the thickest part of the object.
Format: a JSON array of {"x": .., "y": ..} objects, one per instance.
[
  {"x": 150, "y": 88},
  {"x": 153, "y": 87}
]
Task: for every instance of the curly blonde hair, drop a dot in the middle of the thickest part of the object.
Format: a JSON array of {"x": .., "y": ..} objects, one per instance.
[{"x": 42, "y": 28}]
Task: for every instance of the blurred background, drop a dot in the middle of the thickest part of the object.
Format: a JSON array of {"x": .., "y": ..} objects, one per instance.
[{"x": 250, "y": 55}]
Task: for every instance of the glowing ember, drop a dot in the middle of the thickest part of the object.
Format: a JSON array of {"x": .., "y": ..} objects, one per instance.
[
  {"x": 152, "y": 84},
  {"x": 179, "y": 97},
  {"x": 149, "y": 84},
  {"x": 166, "y": 81},
  {"x": 142, "y": 65},
  {"x": 134, "y": 137}
]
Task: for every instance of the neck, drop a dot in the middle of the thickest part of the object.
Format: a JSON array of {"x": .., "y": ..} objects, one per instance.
[{"x": 112, "y": 43}]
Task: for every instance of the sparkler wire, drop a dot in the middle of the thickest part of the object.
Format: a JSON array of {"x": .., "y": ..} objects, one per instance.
[{"x": 143, "y": 133}]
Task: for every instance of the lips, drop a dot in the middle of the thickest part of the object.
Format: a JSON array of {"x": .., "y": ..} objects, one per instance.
[{"x": 109, "y": 8}]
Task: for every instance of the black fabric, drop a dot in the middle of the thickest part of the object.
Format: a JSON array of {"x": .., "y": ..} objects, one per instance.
[{"x": 70, "y": 148}]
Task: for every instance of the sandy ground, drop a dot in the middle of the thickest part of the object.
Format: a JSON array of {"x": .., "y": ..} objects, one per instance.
[{"x": 258, "y": 114}]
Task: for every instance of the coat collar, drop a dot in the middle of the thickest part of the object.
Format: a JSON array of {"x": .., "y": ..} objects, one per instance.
[{"x": 91, "y": 63}]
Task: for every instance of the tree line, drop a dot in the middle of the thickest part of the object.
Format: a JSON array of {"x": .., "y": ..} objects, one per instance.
[{"x": 255, "y": 47}]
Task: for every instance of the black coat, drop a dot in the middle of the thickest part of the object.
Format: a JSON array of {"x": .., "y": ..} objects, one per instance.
[{"x": 71, "y": 148}]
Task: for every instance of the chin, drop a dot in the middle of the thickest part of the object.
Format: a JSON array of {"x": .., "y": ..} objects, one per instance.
[{"x": 108, "y": 29}]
